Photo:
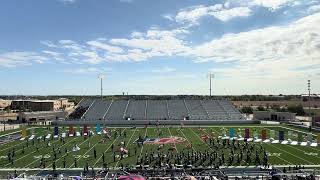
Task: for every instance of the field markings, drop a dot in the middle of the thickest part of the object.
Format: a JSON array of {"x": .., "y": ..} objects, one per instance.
[
  {"x": 68, "y": 152},
  {"x": 49, "y": 152},
  {"x": 187, "y": 140},
  {"x": 31, "y": 153},
  {"x": 127, "y": 144},
  {"x": 108, "y": 148},
  {"x": 85, "y": 153},
  {"x": 145, "y": 135},
  {"x": 174, "y": 142},
  {"x": 202, "y": 140}
]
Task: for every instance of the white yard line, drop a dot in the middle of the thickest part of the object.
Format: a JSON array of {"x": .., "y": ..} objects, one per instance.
[
  {"x": 187, "y": 140},
  {"x": 108, "y": 148},
  {"x": 174, "y": 143},
  {"x": 69, "y": 152},
  {"x": 31, "y": 153},
  {"x": 201, "y": 140},
  {"x": 39, "y": 159},
  {"x": 127, "y": 144},
  {"x": 84, "y": 154},
  {"x": 145, "y": 135}
]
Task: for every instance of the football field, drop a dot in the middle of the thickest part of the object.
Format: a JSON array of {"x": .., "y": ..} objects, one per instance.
[{"x": 119, "y": 147}]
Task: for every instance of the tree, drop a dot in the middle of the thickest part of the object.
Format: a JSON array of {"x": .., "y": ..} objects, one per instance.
[
  {"x": 298, "y": 109},
  {"x": 247, "y": 110},
  {"x": 261, "y": 108}
]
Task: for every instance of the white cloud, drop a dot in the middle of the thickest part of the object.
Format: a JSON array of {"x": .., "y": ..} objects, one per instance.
[
  {"x": 314, "y": 8},
  {"x": 218, "y": 11},
  {"x": 18, "y": 58},
  {"x": 272, "y": 4},
  {"x": 104, "y": 46},
  {"x": 88, "y": 70},
  {"x": 164, "y": 70},
  {"x": 269, "y": 52}
]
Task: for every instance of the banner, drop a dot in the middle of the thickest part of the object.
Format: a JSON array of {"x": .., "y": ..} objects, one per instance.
[
  {"x": 56, "y": 131},
  {"x": 272, "y": 134},
  {"x": 300, "y": 137},
  {"x": 98, "y": 128},
  {"x": 71, "y": 129},
  {"x": 263, "y": 134},
  {"x": 310, "y": 137},
  {"x": 24, "y": 133},
  {"x": 281, "y": 135},
  {"x": 85, "y": 129},
  {"x": 247, "y": 133},
  {"x": 231, "y": 132}
]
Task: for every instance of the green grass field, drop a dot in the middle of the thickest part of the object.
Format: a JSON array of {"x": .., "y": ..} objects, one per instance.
[{"x": 31, "y": 157}]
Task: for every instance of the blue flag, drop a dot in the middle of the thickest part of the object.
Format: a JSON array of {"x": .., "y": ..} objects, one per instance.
[
  {"x": 98, "y": 128},
  {"x": 231, "y": 132},
  {"x": 281, "y": 135},
  {"x": 56, "y": 131}
]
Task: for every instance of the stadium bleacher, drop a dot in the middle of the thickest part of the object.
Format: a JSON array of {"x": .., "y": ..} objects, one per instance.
[{"x": 98, "y": 109}]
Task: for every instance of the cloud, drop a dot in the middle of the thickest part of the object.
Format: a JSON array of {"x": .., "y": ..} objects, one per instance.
[
  {"x": 126, "y": 1},
  {"x": 164, "y": 70},
  {"x": 274, "y": 51},
  {"x": 68, "y": 1},
  {"x": 19, "y": 58},
  {"x": 218, "y": 11},
  {"x": 88, "y": 70},
  {"x": 104, "y": 46}
]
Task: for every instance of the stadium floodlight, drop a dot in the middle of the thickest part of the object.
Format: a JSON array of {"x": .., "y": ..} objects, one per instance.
[
  {"x": 101, "y": 77},
  {"x": 210, "y": 76}
]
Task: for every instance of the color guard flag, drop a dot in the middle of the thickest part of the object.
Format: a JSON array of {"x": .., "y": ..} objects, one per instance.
[
  {"x": 300, "y": 137},
  {"x": 272, "y": 134},
  {"x": 318, "y": 139},
  {"x": 98, "y": 128},
  {"x": 289, "y": 135},
  {"x": 231, "y": 132},
  {"x": 310, "y": 137},
  {"x": 281, "y": 135},
  {"x": 71, "y": 129},
  {"x": 24, "y": 133},
  {"x": 85, "y": 129},
  {"x": 264, "y": 134},
  {"x": 56, "y": 131},
  {"x": 247, "y": 133}
]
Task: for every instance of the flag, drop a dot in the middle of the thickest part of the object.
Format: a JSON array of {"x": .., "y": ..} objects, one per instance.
[
  {"x": 263, "y": 134},
  {"x": 300, "y": 137},
  {"x": 85, "y": 129},
  {"x": 56, "y": 131},
  {"x": 318, "y": 139},
  {"x": 255, "y": 134},
  {"x": 71, "y": 129},
  {"x": 239, "y": 133},
  {"x": 247, "y": 133},
  {"x": 289, "y": 135},
  {"x": 231, "y": 132},
  {"x": 24, "y": 133},
  {"x": 98, "y": 128},
  {"x": 309, "y": 136},
  {"x": 281, "y": 135},
  {"x": 272, "y": 134}
]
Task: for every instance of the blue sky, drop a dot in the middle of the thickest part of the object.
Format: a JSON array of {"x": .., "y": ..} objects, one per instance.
[{"x": 159, "y": 47}]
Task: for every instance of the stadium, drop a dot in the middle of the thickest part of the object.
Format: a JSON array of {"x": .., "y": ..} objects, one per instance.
[
  {"x": 159, "y": 139},
  {"x": 159, "y": 90}
]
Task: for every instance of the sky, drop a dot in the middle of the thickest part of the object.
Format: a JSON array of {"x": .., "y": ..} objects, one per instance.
[{"x": 167, "y": 47}]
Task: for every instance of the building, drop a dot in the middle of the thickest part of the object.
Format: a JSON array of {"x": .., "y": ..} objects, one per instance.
[
  {"x": 40, "y": 116},
  {"x": 41, "y": 105},
  {"x": 274, "y": 116},
  {"x": 4, "y": 103}
]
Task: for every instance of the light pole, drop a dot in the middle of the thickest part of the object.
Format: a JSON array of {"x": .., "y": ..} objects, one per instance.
[
  {"x": 211, "y": 76},
  {"x": 101, "y": 76},
  {"x": 309, "y": 89}
]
